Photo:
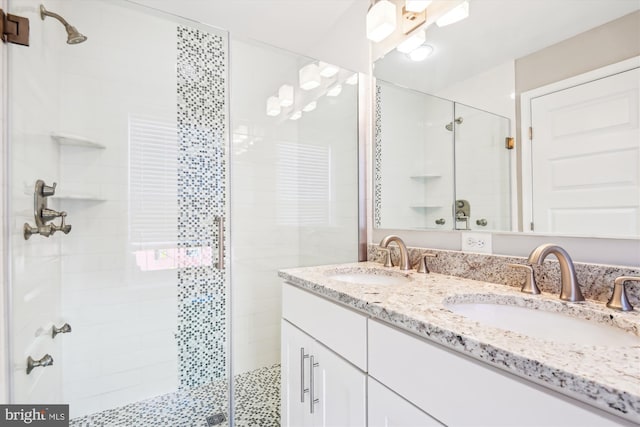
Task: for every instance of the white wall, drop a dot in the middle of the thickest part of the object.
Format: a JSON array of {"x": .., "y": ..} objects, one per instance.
[{"x": 331, "y": 30}]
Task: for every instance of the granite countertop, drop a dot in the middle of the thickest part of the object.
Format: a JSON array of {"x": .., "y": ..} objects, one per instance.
[{"x": 605, "y": 377}]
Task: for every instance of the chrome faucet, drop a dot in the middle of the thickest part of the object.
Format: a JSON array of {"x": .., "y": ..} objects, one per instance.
[
  {"x": 404, "y": 254},
  {"x": 570, "y": 288}
]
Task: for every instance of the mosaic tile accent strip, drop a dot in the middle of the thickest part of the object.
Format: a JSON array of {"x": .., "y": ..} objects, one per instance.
[
  {"x": 202, "y": 174},
  {"x": 596, "y": 280},
  {"x": 377, "y": 179},
  {"x": 257, "y": 403}
]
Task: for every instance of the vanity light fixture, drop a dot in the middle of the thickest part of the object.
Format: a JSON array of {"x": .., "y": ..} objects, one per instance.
[
  {"x": 309, "y": 77},
  {"x": 273, "y": 106},
  {"x": 353, "y": 80},
  {"x": 421, "y": 53},
  {"x": 456, "y": 14},
  {"x": 413, "y": 42},
  {"x": 285, "y": 95},
  {"x": 310, "y": 106},
  {"x": 334, "y": 90},
  {"x": 328, "y": 70},
  {"x": 381, "y": 20},
  {"x": 296, "y": 115}
]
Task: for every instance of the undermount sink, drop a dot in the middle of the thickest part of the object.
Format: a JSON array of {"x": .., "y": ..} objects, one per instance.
[
  {"x": 547, "y": 325},
  {"x": 370, "y": 277}
]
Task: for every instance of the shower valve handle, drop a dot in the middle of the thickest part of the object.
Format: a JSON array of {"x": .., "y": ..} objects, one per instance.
[
  {"x": 65, "y": 228},
  {"x": 48, "y": 190}
]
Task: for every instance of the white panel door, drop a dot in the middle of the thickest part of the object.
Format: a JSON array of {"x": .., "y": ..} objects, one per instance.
[
  {"x": 340, "y": 389},
  {"x": 295, "y": 376},
  {"x": 586, "y": 158}
]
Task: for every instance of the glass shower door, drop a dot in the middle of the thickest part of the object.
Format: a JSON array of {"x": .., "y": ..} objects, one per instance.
[{"x": 132, "y": 127}]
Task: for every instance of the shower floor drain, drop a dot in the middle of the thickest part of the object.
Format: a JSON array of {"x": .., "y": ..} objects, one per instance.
[{"x": 216, "y": 419}]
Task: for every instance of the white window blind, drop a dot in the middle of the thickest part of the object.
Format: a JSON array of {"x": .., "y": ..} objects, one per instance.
[
  {"x": 153, "y": 182},
  {"x": 304, "y": 185}
]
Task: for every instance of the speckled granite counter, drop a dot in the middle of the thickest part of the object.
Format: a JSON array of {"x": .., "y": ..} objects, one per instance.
[{"x": 605, "y": 377}]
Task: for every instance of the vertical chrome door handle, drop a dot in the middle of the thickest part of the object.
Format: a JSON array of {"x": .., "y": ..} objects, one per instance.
[
  {"x": 219, "y": 220},
  {"x": 303, "y": 390},
  {"x": 312, "y": 400}
]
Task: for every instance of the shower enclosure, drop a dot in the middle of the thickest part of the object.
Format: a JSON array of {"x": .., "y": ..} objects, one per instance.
[{"x": 184, "y": 196}]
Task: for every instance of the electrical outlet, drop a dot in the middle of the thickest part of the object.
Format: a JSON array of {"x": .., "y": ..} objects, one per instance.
[{"x": 476, "y": 242}]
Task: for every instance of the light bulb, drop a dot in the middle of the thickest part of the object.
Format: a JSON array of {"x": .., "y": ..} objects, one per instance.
[
  {"x": 309, "y": 77},
  {"x": 456, "y": 14},
  {"x": 285, "y": 95},
  {"x": 381, "y": 20},
  {"x": 421, "y": 53},
  {"x": 412, "y": 42}
]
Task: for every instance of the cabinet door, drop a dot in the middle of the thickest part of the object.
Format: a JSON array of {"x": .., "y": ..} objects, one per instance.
[
  {"x": 387, "y": 409},
  {"x": 340, "y": 389},
  {"x": 295, "y": 376}
]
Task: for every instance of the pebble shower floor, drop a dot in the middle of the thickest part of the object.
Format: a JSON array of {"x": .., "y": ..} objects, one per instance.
[{"x": 257, "y": 404}]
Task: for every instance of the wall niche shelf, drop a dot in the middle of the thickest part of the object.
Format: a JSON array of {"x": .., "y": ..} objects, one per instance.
[{"x": 76, "y": 141}]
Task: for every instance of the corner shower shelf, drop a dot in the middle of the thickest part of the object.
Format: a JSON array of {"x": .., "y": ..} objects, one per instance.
[
  {"x": 426, "y": 206},
  {"x": 86, "y": 197},
  {"x": 76, "y": 141},
  {"x": 426, "y": 176}
]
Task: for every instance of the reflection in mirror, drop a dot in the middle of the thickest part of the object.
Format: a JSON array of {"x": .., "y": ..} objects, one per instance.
[
  {"x": 503, "y": 60},
  {"x": 413, "y": 159},
  {"x": 482, "y": 170}
]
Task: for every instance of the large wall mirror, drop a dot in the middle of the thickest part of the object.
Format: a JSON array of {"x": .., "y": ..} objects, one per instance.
[{"x": 453, "y": 148}]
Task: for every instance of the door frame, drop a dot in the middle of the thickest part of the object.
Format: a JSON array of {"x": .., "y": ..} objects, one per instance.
[{"x": 525, "y": 119}]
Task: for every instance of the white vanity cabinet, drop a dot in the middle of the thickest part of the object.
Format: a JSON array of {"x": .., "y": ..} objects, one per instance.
[
  {"x": 458, "y": 390},
  {"x": 321, "y": 343},
  {"x": 387, "y": 409}
]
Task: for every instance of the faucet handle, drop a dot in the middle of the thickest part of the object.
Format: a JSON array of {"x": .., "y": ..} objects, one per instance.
[
  {"x": 422, "y": 263},
  {"x": 619, "y": 300},
  {"x": 529, "y": 286},
  {"x": 387, "y": 256}
]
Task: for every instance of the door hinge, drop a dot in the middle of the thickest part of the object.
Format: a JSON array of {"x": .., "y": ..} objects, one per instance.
[
  {"x": 14, "y": 29},
  {"x": 509, "y": 143},
  {"x": 531, "y": 226},
  {"x": 530, "y": 133}
]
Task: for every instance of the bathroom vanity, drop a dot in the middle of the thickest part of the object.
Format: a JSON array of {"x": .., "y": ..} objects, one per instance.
[{"x": 369, "y": 345}]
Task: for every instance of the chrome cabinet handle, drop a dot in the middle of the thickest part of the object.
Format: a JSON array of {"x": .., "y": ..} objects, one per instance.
[
  {"x": 313, "y": 400},
  {"x": 303, "y": 390},
  {"x": 219, "y": 220}
]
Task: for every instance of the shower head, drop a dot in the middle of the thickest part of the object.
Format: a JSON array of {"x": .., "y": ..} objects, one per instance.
[{"x": 73, "y": 35}]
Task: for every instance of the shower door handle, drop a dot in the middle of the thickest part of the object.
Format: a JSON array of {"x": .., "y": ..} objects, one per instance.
[{"x": 219, "y": 220}]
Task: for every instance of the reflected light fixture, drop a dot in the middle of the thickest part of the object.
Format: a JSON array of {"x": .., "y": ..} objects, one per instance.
[
  {"x": 310, "y": 106},
  {"x": 309, "y": 77},
  {"x": 416, "y": 6},
  {"x": 328, "y": 70},
  {"x": 381, "y": 20},
  {"x": 296, "y": 115},
  {"x": 334, "y": 90},
  {"x": 421, "y": 53},
  {"x": 273, "y": 106},
  {"x": 413, "y": 42},
  {"x": 352, "y": 80},
  {"x": 456, "y": 14},
  {"x": 285, "y": 95}
]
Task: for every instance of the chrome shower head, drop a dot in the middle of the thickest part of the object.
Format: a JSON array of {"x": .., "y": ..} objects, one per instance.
[{"x": 73, "y": 35}]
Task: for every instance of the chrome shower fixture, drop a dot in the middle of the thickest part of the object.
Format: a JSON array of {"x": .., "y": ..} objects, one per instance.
[{"x": 73, "y": 36}]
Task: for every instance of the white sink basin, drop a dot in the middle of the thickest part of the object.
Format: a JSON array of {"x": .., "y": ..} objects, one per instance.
[
  {"x": 370, "y": 277},
  {"x": 547, "y": 325}
]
